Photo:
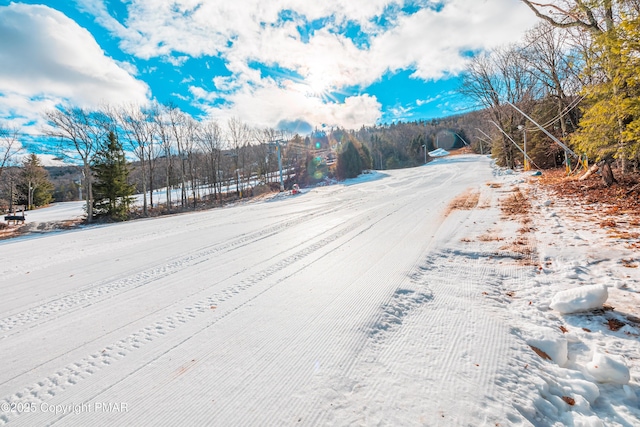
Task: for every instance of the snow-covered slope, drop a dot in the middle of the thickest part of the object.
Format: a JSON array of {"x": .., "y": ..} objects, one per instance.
[{"x": 376, "y": 302}]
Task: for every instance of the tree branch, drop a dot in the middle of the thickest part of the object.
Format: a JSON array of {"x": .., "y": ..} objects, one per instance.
[{"x": 591, "y": 24}]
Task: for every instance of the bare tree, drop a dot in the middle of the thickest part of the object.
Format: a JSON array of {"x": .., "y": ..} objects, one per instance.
[
  {"x": 265, "y": 151},
  {"x": 493, "y": 79},
  {"x": 239, "y": 134},
  {"x": 550, "y": 56},
  {"x": 138, "y": 129},
  {"x": 162, "y": 127},
  {"x": 177, "y": 120},
  {"x": 210, "y": 140},
  {"x": 595, "y": 17},
  {"x": 9, "y": 145},
  {"x": 81, "y": 131},
  {"x": 189, "y": 148}
]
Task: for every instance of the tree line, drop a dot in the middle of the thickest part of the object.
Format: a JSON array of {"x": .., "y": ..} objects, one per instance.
[
  {"x": 575, "y": 75},
  {"x": 174, "y": 161}
]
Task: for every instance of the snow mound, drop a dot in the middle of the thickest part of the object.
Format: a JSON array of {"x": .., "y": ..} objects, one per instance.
[
  {"x": 440, "y": 152},
  {"x": 608, "y": 369},
  {"x": 579, "y": 299},
  {"x": 580, "y": 387},
  {"x": 551, "y": 343}
]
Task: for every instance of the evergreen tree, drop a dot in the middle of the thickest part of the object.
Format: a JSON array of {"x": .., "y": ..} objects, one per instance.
[
  {"x": 112, "y": 193},
  {"x": 349, "y": 161},
  {"x": 609, "y": 127},
  {"x": 34, "y": 187}
]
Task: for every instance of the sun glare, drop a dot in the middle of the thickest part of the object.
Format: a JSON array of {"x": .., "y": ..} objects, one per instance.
[{"x": 319, "y": 85}]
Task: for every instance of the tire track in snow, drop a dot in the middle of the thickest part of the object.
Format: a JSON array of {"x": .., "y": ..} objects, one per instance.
[
  {"x": 461, "y": 342},
  {"x": 113, "y": 353},
  {"x": 263, "y": 341},
  {"x": 71, "y": 374},
  {"x": 95, "y": 293},
  {"x": 263, "y": 364}
]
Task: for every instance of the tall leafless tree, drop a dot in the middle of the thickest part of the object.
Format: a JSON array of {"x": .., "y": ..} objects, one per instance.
[
  {"x": 139, "y": 132},
  {"x": 9, "y": 145},
  {"x": 162, "y": 130},
  {"x": 551, "y": 58},
  {"x": 211, "y": 142},
  {"x": 79, "y": 131},
  {"x": 492, "y": 80},
  {"x": 177, "y": 121},
  {"x": 239, "y": 135}
]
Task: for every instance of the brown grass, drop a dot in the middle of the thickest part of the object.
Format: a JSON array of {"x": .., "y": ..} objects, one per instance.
[{"x": 516, "y": 205}]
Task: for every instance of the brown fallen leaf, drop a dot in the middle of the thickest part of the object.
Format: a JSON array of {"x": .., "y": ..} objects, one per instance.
[
  {"x": 615, "y": 324},
  {"x": 586, "y": 329},
  {"x": 540, "y": 353},
  {"x": 570, "y": 401},
  {"x": 563, "y": 329}
]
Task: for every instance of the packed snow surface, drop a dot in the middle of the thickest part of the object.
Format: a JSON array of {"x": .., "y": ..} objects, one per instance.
[{"x": 399, "y": 298}]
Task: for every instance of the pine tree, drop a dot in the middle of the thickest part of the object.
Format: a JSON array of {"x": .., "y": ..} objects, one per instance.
[
  {"x": 610, "y": 127},
  {"x": 354, "y": 157},
  {"x": 34, "y": 186},
  {"x": 112, "y": 193}
]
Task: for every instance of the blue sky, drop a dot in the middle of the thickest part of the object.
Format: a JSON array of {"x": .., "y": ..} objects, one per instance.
[{"x": 271, "y": 63}]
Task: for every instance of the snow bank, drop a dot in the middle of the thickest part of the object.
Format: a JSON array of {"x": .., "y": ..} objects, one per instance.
[
  {"x": 579, "y": 299},
  {"x": 440, "y": 152},
  {"x": 608, "y": 369},
  {"x": 550, "y": 342}
]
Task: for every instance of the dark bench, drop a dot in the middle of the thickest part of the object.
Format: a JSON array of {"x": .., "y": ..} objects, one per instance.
[{"x": 14, "y": 218}]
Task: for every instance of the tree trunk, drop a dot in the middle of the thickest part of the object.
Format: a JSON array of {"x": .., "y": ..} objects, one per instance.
[
  {"x": 607, "y": 174},
  {"x": 88, "y": 191}
]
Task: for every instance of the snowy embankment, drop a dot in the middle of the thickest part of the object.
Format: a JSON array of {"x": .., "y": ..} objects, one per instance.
[{"x": 402, "y": 298}]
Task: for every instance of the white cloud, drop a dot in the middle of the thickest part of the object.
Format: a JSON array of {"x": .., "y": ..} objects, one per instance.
[
  {"x": 273, "y": 103},
  {"x": 421, "y": 102},
  {"x": 245, "y": 30},
  {"x": 47, "y": 59},
  {"x": 431, "y": 42}
]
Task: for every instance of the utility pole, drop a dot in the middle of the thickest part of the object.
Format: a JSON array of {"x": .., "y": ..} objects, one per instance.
[
  {"x": 278, "y": 145},
  {"x": 511, "y": 139},
  {"x": 484, "y": 133},
  {"x": 524, "y": 136},
  {"x": 11, "y": 195}
]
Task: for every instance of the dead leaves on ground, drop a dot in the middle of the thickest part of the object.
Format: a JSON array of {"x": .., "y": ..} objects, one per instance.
[
  {"x": 466, "y": 201},
  {"x": 516, "y": 205},
  {"x": 614, "y": 205},
  {"x": 615, "y": 324},
  {"x": 540, "y": 353}
]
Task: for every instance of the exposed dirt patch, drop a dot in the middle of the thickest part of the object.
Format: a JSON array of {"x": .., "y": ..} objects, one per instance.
[
  {"x": 465, "y": 201},
  {"x": 38, "y": 227},
  {"x": 516, "y": 206},
  {"x": 490, "y": 237}
]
